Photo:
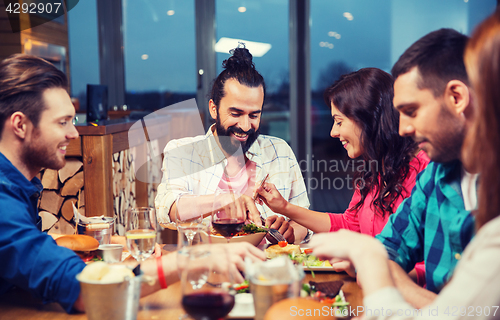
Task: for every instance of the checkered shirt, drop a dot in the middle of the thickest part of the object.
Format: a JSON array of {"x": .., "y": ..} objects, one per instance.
[{"x": 432, "y": 225}]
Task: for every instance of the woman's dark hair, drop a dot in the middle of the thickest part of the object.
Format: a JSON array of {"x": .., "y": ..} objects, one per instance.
[
  {"x": 365, "y": 97},
  {"x": 23, "y": 79},
  {"x": 240, "y": 67}
]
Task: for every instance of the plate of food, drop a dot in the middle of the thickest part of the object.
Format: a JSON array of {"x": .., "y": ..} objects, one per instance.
[
  {"x": 329, "y": 293},
  {"x": 249, "y": 233},
  {"x": 299, "y": 256}
]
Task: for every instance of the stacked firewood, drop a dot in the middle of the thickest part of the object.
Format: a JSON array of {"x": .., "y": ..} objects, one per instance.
[
  {"x": 124, "y": 193},
  {"x": 62, "y": 189}
]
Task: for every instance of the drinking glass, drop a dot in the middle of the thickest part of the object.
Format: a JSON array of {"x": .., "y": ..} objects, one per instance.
[
  {"x": 186, "y": 240},
  {"x": 228, "y": 216},
  {"x": 207, "y": 283},
  {"x": 188, "y": 217},
  {"x": 140, "y": 232}
]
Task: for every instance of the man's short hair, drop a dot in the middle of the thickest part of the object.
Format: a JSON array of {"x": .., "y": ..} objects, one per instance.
[
  {"x": 439, "y": 57},
  {"x": 23, "y": 79}
]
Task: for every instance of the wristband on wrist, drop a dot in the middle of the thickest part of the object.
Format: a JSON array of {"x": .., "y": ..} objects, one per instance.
[{"x": 161, "y": 275}]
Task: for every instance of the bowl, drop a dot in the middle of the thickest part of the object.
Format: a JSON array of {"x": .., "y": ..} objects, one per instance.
[
  {"x": 254, "y": 238},
  {"x": 110, "y": 252}
]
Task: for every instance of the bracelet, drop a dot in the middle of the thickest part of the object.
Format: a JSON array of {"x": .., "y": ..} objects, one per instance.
[{"x": 161, "y": 275}]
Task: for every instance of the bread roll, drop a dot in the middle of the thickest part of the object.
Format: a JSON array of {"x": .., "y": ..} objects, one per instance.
[{"x": 78, "y": 242}]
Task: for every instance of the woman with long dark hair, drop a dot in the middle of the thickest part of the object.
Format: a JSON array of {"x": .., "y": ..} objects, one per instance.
[{"x": 366, "y": 123}]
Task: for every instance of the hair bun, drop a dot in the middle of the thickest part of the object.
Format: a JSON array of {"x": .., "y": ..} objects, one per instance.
[{"x": 240, "y": 58}]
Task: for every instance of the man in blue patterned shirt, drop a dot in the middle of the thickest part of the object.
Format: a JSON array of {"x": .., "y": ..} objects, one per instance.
[{"x": 434, "y": 225}]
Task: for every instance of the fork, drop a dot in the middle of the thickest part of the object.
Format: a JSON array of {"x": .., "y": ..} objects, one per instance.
[{"x": 274, "y": 233}]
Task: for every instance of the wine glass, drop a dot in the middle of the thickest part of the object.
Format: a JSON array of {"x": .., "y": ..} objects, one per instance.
[
  {"x": 186, "y": 239},
  {"x": 207, "y": 283},
  {"x": 228, "y": 216},
  {"x": 188, "y": 217},
  {"x": 140, "y": 232}
]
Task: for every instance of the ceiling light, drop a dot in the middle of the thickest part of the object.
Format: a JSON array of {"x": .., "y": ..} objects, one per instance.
[
  {"x": 242, "y": 9},
  {"x": 257, "y": 49},
  {"x": 348, "y": 16},
  {"x": 170, "y": 12},
  {"x": 144, "y": 57}
]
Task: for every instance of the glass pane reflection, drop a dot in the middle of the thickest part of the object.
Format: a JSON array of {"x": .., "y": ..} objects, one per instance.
[
  {"x": 264, "y": 22},
  {"x": 160, "y": 53}
]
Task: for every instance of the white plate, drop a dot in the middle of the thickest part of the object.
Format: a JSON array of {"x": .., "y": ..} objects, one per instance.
[
  {"x": 243, "y": 307},
  {"x": 309, "y": 269}
]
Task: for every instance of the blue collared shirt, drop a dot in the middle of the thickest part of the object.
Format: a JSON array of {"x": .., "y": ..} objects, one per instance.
[
  {"x": 431, "y": 226},
  {"x": 31, "y": 259}
]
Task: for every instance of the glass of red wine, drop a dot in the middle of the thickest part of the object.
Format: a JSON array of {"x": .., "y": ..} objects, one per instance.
[
  {"x": 228, "y": 216},
  {"x": 207, "y": 285}
]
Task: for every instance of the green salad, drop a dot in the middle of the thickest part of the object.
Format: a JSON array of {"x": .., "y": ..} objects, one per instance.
[
  {"x": 251, "y": 228},
  {"x": 309, "y": 260}
]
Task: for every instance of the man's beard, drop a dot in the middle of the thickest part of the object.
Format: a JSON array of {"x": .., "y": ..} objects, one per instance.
[
  {"x": 231, "y": 145},
  {"x": 37, "y": 154},
  {"x": 447, "y": 145}
]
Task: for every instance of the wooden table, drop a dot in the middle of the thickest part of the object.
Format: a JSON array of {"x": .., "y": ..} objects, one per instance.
[{"x": 164, "y": 304}]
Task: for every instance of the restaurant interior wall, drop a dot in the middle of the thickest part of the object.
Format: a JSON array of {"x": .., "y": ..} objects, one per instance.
[{"x": 161, "y": 53}]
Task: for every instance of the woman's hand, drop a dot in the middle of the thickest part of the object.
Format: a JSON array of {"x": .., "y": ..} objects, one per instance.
[{"x": 272, "y": 197}]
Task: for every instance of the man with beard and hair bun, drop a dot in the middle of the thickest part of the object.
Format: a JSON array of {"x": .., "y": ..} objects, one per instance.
[
  {"x": 232, "y": 155},
  {"x": 432, "y": 95}
]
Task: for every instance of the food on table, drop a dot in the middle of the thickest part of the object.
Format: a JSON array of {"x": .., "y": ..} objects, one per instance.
[
  {"x": 102, "y": 272},
  {"x": 83, "y": 245},
  {"x": 282, "y": 243},
  {"x": 329, "y": 288},
  {"x": 242, "y": 287},
  {"x": 246, "y": 229},
  {"x": 297, "y": 308},
  {"x": 331, "y": 295},
  {"x": 308, "y": 259},
  {"x": 277, "y": 250}
]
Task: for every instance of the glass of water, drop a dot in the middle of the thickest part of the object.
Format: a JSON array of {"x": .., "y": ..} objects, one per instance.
[{"x": 140, "y": 232}]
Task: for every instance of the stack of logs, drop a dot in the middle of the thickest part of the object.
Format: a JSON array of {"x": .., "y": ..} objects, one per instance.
[
  {"x": 62, "y": 190},
  {"x": 65, "y": 187},
  {"x": 124, "y": 193}
]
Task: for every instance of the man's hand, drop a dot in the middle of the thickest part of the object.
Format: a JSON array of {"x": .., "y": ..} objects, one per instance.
[
  {"x": 283, "y": 226},
  {"x": 236, "y": 205}
]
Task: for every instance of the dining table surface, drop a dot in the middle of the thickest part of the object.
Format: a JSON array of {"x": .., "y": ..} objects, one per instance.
[{"x": 164, "y": 304}]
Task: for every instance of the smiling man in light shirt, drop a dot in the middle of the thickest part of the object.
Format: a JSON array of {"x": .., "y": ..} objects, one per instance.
[{"x": 232, "y": 155}]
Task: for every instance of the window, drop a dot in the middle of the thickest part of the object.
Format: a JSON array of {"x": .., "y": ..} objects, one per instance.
[
  {"x": 262, "y": 25},
  {"x": 348, "y": 35},
  {"x": 83, "y": 49},
  {"x": 160, "y": 54}
]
